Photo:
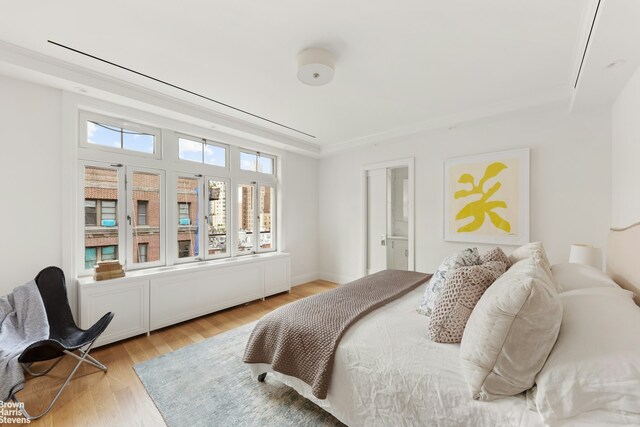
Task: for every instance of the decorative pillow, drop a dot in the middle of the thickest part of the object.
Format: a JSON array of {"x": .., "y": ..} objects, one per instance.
[
  {"x": 530, "y": 250},
  {"x": 460, "y": 294},
  {"x": 463, "y": 258},
  {"x": 511, "y": 332},
  {"x": 536, "y": 251},
  {"x": 571, "y": 276},
  {"x": 596, "y": 360},
  {"x": 495, "y": 254}
]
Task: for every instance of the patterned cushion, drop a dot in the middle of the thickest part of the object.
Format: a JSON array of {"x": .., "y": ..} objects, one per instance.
[
  {"x": 460, "y": 294},
  {"x": 495, "y": 254},
  {"x": 463, "y": 258}
]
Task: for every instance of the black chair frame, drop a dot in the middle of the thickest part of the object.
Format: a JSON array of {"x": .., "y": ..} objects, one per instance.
[{"x": 65, "y": 337}]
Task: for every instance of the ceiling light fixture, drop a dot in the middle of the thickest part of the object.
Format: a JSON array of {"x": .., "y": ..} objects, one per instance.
[{"x": 316, "y": 67}]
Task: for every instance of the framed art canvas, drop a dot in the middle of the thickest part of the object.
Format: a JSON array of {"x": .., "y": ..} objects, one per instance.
[{"x": 487, "y": 198}]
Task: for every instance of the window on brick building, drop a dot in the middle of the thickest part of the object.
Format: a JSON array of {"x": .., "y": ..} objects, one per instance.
[
  {"x": 145, "y": 196},
  {"x": 184, "y": 249},
  {"x": 90, "y": 212},
  {"x": 142, "y": 252},
  {"x": 142, "y": 212},
  {"x": 184, "y": 210},
  {"x": 108, "y": 217}
]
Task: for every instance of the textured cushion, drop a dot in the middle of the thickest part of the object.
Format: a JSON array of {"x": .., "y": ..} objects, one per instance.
[
  {"x": 595, "y": 363},
  {"x": 571, "y": 276},
  {"x": 511, "y": 332},
  {"x": 495, "y": 254},
  {"x": 463, "y": 258},
  {"x": 460, "y": 294},
  {"x": 536, "y": 251}
]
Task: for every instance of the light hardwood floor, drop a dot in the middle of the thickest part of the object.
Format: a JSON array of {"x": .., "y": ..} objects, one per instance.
[{"x": 118, "y": 398}]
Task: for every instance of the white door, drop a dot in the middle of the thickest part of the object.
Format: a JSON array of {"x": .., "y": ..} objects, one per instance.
[{"x": 376, "y": 220}]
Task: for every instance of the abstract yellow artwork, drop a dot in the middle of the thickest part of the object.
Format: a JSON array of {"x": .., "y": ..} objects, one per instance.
[{"x": 486, "y": 198}]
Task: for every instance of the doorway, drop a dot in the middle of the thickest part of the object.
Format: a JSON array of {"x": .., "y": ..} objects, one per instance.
[{"x": 388, "y": 216}]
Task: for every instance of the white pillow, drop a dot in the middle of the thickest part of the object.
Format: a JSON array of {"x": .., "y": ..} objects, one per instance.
[
  {"x": 510, "y": 332},
  {"x": 571, "y": 276},
  {"x": 464, "y": 258},
  {"x": 536, "y": 251},
  {"x": 595, "y": 364}
]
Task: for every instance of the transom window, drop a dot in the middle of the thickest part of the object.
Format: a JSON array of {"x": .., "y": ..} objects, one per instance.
[
  {"x": 256, "y": 162},
  {"x": 202, "y": 151}
]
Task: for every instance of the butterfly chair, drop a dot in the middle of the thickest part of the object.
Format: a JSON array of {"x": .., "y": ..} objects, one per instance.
[{"x": 65, "y": 338}]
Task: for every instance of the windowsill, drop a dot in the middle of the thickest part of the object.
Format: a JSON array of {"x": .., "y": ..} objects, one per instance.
[{"x": 156, "y": 272}]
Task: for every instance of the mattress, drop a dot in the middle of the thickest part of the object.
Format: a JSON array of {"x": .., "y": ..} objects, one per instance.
[{"x": 388, "y": 373}]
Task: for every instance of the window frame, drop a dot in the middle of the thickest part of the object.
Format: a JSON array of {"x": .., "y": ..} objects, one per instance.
[
  {"x": 139, "y": 204},
  {"x": 205, "y": 192},
  {"x": 203, "y": 141},
  {"x": 120, "y": 215},
  {"x": 199, "y": 217},
  {"x": 85, "y": 116},
  {"x": 258, "y": 155},
  {"x": 274, "y": 211},
  {"x": 130, "y": 264}
]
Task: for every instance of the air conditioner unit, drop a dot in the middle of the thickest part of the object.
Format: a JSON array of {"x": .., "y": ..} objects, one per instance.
[
  {"x": 108, "y": 222},
  {"x": 185, "y": 221}
]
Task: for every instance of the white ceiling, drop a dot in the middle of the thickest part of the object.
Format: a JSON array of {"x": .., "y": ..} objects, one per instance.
[{"x": 399, "y": 64}]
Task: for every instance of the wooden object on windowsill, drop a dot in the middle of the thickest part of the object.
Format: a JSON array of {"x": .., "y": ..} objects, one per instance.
[{"x": 108, "y": 270}]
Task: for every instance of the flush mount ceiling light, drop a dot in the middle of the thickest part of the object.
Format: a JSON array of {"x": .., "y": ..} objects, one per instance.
[{"x": 316, "y": 67}]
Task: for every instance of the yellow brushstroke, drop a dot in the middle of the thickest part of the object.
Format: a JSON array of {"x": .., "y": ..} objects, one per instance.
[{"x": 483, "y": 207}]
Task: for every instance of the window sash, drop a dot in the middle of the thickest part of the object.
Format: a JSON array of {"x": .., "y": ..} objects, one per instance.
[{"x": 213, "y": 240}]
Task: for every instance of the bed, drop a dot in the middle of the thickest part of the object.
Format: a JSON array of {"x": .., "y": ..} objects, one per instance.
[{"x": 387, "y": 372}]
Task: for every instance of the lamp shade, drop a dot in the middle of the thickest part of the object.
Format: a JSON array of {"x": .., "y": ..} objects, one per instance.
[{"x": 586, "y": 254}]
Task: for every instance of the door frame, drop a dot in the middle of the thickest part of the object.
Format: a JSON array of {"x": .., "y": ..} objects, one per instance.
[{"x": 409, "y": 163}]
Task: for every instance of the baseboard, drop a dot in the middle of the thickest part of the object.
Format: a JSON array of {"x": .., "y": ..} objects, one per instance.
[
  {"x": 304, "y": 278},
  {"x": 340, "y": 279}
]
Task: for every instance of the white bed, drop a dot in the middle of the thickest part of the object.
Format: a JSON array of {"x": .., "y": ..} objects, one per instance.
[{"x": 388, "y": 373}]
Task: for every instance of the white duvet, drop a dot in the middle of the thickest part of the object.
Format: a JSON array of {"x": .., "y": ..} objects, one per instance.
[{"x": 388, "y": 373}]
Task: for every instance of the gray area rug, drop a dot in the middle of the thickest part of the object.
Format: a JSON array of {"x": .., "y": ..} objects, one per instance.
[{"x": 208, "y": 384}]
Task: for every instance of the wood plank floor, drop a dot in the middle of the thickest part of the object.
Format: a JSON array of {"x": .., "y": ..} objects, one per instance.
[{"x": 118, "y": 398}]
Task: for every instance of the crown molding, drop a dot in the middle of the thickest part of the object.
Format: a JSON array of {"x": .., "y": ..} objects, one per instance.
[
  {"x": 486, "y": 113},
  {"x": 25, "y": 64}
]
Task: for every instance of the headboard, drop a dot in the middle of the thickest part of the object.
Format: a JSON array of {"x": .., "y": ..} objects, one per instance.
[{"x": 623, "y": 258}]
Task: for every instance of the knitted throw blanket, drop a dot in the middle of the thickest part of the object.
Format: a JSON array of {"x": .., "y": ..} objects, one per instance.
[{"x": 300, "y": 339}]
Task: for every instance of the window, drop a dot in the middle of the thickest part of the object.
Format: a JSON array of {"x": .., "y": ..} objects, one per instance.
[
  {"x": 90, "y": 212},
  {"x": 92, "y": 255},
  {"x": 108, "y": 213},
  {"x": 142, "y": 211},
  {"x": 188, "y": 195},
  {"x": 142, "y": 252},
  {"x": 202, "y": 151},
  {"x": 184, "y": 210},
  {"x": 184, "y": 249},
  {"x": 265, "y": 217},
  {"x": 217, "y": 217},
  {"x": 245, "y": 212},
  {"x": 217, "y": 209},
  {"x": 101, "y": 190},
  {"x": 145, "y": 188},
  {"x": 115, "y": 134},
  {"x": 256, "y": 162}
]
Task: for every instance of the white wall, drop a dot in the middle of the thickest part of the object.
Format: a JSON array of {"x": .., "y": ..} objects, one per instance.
[
  {"x": 570, "y": 185},
  {"x": 300, "y": 221},
  {"x": 30, "y": 181},
  {"x": 625, "y": 155}
]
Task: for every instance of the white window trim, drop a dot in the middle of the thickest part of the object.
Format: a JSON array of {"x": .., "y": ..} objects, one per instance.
[
  {"x": 228, "y": 192},
  {"x": 173, "y": 200},
  {"x": 130, "y": 210},
  {"x": 85, "y": 116},
  {"x": 120, "y": 214},
  {"x": 258, "y": 155},
  {"x": 206, "y": 141},
  {"x": 274, "y": 216},
  {"x": 76, "y": 154}
]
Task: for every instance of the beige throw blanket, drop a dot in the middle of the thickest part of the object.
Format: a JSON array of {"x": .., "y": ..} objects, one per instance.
[{"x": 300, "y": 339}]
